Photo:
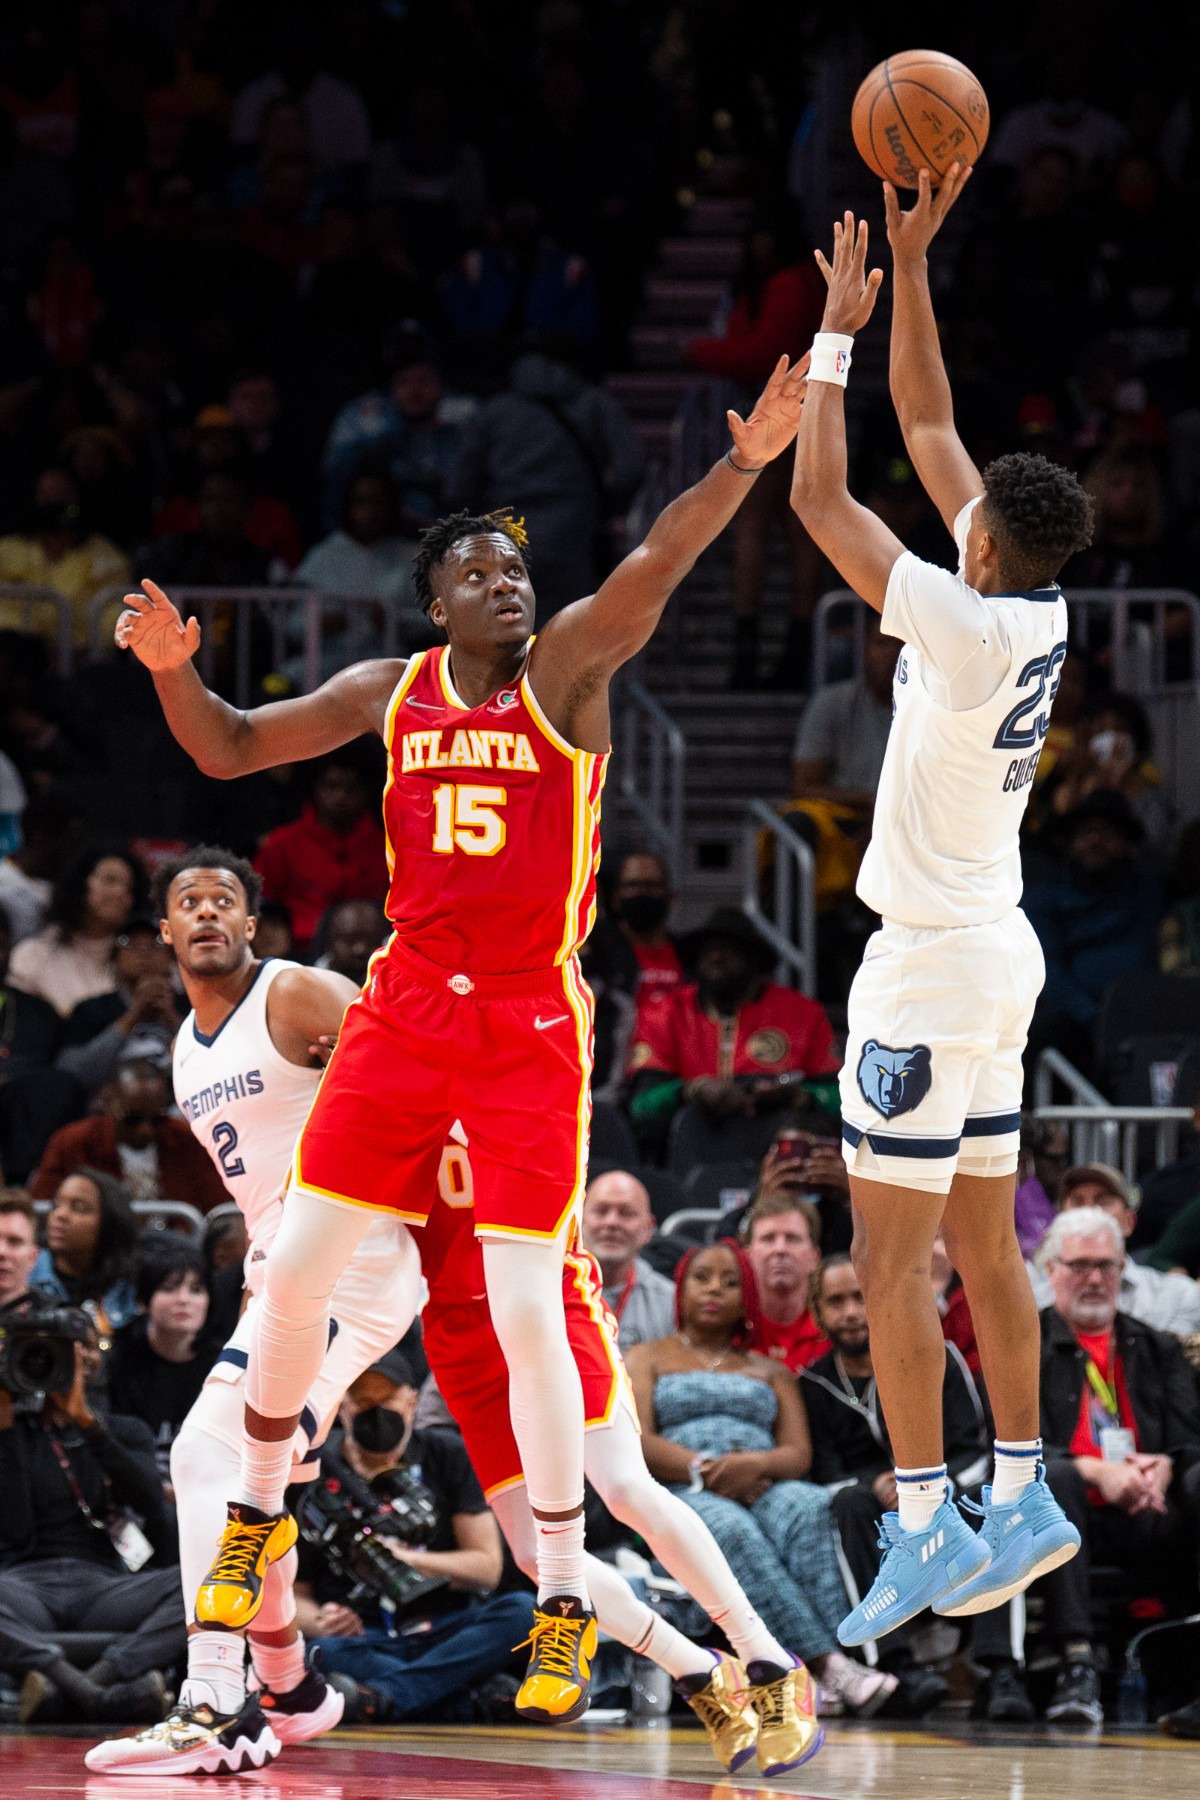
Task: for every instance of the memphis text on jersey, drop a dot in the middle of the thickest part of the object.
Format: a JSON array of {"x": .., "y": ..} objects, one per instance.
[{"x": 238, "y": 1087}]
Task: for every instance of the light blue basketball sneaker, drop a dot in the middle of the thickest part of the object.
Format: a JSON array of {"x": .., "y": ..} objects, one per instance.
[
  {"x": 1026, "y": 1539},
  {"x": 918, "y": 1569}
]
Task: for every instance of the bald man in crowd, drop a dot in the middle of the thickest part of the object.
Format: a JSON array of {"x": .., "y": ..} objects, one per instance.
[{"x": 617, "y": 1226}]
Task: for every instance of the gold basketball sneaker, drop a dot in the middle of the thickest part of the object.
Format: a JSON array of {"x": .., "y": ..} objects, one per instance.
[
  {"x": 722, "y": 1704},
  {"x": 231, "y": 1593},
  {"x": 789, "y": 1731},
  {"x": 558, "y": 1682}
]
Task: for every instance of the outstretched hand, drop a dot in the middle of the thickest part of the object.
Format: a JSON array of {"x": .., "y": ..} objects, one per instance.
[
  {"x": 911, "y": 233},
  {"x": 775, "y": 419},
  {"x": 151, "y": 627},
  {"x": 852, "y": 291}
]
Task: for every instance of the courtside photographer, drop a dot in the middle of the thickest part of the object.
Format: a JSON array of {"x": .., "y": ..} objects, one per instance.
[{"x": 83, "y": 1510}]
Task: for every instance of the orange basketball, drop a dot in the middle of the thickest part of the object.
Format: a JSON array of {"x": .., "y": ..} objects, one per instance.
[{"x": 919, "y": 109}]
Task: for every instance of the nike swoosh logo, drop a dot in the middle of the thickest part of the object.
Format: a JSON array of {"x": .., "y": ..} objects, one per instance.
[
  {"x": 540, "y": 1024},
  {"x": 423, "y": 705}
]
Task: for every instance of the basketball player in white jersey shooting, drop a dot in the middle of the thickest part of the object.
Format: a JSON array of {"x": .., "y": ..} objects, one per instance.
[
  {"x": 247, "y": 1061},
  {"x": 939, "y": 1011}
]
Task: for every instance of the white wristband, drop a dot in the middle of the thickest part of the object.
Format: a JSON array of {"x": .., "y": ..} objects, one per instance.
[{"x": 830, "y": 358}]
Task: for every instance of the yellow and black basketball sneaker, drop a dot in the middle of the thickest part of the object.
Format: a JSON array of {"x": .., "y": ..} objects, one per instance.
[
  {"x": 789, "y": 1731},
  {"x": 721, "y": 1702},
  {"x": 231, "y": 1592},
  {"x": 558, "y": 1681}
]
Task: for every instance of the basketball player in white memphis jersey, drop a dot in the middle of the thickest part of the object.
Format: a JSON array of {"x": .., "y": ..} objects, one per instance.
[
  {"x": 939, "y": 1012},
  {"x": 247, "y": 1062}
]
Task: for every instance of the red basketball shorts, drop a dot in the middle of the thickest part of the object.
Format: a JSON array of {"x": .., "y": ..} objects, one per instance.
[
  {"x": 472, "y": 1376},
  {"x": 508, "y": 1055}
]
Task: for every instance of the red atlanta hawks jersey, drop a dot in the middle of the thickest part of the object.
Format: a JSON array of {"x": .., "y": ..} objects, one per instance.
[{"x": 493, "y": 826}]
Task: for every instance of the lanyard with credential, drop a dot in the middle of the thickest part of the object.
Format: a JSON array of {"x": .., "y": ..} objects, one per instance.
[
  {"x": 622, "y": 1300},
  {"x": 73, "y": 1483},
  {"x": 1105, "y": 1393}
]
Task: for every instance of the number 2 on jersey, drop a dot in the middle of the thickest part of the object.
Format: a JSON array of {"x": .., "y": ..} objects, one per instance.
[
  {"x": 1020, "y": 731},
  {"x": 225, "y": 1138},
  {"x": 465, "y": 818}
]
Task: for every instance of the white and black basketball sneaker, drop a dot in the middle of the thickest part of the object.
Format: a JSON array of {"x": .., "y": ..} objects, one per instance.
[{"x": 192, "y": 1740}]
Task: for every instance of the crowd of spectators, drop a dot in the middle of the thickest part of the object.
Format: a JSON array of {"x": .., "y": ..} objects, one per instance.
[{"x": 265, "y": 311}]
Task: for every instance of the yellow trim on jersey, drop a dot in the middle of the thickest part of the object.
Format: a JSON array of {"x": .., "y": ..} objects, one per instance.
[
  {"x": 599, "y": 1314},
  {"x": 502, "y": 1487},
  {"x": 389, "y": 731},
  {"x": 448, "y": 688},
  {"x": 583, "y": 826},
  {"x": 310, "y": 1187},
  {"x": 547, "y": 729}
]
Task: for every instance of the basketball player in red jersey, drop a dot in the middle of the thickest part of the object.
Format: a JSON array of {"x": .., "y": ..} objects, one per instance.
[
  {"x": 475, "y": 1009},
  {"x": 760, "y": 1700}
]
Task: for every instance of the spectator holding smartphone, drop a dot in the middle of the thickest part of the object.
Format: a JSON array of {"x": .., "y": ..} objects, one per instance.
[{"x": 804, "y": 1162}]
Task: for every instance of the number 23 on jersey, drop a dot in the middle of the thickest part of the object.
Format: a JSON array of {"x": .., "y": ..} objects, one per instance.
[{"x": 466, "y": 818}]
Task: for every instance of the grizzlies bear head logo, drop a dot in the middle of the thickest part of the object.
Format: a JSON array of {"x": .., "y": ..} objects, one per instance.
[{"x": 894, "y": 1081}]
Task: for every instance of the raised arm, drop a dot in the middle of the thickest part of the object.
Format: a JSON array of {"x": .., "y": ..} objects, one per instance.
[
  {"x": 595, "y": 636},
  {"x": 221, "y": 740},
  {"x": 920, "y": 390},
  {"x": 859, "y": 545}
]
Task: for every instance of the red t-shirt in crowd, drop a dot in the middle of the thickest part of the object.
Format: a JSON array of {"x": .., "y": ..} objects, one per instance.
[
  {"x": 1092, "y": 1415},
  {"x": 782, "y": 1032},
  {"x": 795, "y": 1345},
  {"x": 309, "y": 867},
  {"x": 659, "y": 969}
]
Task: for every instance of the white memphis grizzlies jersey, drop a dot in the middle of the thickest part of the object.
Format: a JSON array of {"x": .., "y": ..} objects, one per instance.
[
  {"x": 972, "y": 696},
  {"x": 245, "y": 1102}
]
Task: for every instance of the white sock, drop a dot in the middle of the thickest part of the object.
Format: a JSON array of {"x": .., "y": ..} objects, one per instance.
[
  {"x": 560, "y": 1557},
  {"x": 921, "y": 1492},
  {"x": 265, "y": 1471},
  {"x": 279, "y": 1667},
  {"x": 667, "y": 1647},
  {"x": 1016, "y": 1467},
  {"x": 751, "y": 1640},
  {"x": 216, "y": 1671}
]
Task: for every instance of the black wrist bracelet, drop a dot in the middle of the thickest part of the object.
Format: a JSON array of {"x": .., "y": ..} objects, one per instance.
[{"x": 737, "y": 467}]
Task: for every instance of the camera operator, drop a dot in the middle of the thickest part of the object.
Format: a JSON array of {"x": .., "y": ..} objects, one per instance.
[
  {"x": 71, "y": 1551},
  {"x": 423, "y": 1659}
]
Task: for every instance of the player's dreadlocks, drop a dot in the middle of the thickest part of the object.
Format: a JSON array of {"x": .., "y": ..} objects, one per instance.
[
  {"x": 1038, "y": 514},
  {"x": 205, "y": 856},
  {"x": 440, "y": 537}
]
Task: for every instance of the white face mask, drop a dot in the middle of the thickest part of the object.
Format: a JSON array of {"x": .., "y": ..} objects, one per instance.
[{"x": 1112, "y": 747}]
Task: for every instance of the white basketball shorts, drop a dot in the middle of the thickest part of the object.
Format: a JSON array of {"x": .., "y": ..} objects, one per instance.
[
  {"x": 374, "y": 1303},
  {"x": 938, "y": 1024}
]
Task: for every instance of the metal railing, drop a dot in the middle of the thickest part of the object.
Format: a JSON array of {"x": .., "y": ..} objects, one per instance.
[
  {"x": 691, "y": 1215},
  {"x": 792, "y": 930},
  {"x": 652, "y": 759},
  {"x": 158, "y": 1212},
  {"x": 1139, "y": 644},
  {"x": 1109, "y": 1134},
  {"x": 1100, "y": 1131},
  {"x": 26, "y": 601},
  {"x": 292, "y": 625}
]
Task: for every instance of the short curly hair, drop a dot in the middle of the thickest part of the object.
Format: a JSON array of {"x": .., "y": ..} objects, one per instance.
[
  {"x": 1038, "y": 514},
  {"x": 206, "y": 856},
  {"x": 438, "y": 539}
]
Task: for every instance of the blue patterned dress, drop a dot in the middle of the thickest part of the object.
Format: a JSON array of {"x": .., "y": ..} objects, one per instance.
[{"x": 781, "y": 1549}]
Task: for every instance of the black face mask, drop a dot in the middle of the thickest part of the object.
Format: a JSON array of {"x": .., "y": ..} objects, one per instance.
[
  {"x": 643, "y": 912},
  {"x": 377, "y": 1430}
]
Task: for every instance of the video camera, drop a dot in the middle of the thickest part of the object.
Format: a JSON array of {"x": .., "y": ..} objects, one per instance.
[
  {"x": 340, "y": 1516},
  {"x": 37, "y": 1350}
]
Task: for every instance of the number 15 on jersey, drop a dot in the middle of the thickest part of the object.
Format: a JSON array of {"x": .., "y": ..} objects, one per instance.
[{"x": 466, "y": 818}]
